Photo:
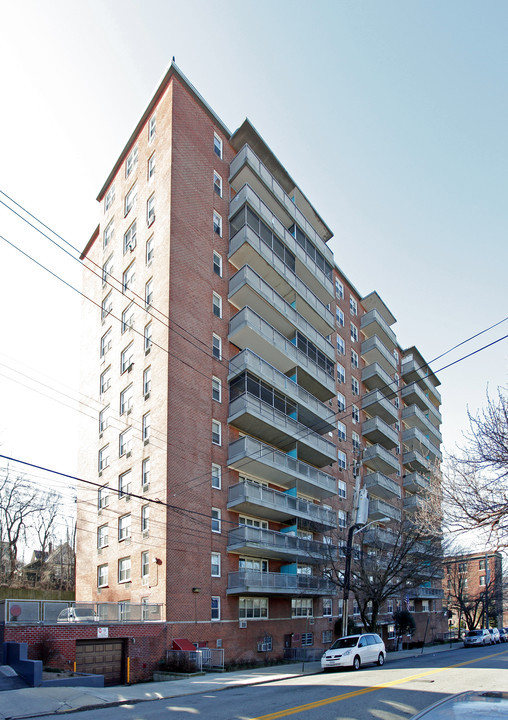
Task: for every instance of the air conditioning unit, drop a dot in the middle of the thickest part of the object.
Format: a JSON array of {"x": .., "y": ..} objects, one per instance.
[
  {"x": 127, "y": 498},
  {"x": 147, "y": 396},
  {"x": 129, "y": 410},
  {"x": 130, "y": 367},
  {"x": 242, "y": 624},
  {"x": 263, "y": 647},
  {"x": 146, "y": 441},
  {"x": 145, "y": 534},
  {"x": 147, "y": 351},
  {"x": 128, "y": 454},
  {"x": 311, "y": 621}
]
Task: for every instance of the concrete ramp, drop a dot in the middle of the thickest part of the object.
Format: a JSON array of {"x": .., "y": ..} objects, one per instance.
[{"x": 10, "y": 680}]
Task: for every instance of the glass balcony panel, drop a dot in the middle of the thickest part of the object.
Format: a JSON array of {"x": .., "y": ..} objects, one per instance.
[{"x": 253, "y": 582}]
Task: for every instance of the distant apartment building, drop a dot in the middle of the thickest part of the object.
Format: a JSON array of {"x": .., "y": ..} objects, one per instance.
[
  {"x": 474, "y": 581},
  {"x": 244, "y": 384}
]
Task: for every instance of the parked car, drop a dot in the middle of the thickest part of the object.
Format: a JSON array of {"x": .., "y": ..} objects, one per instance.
[
  {"x": 77, "y": 615},
  {"x": 466, "y": 705},
  {"x": 503, "y": 634},
  {"x": 354, "y": 651},
  {"x": 494, "y": 633},
  {"x": 477, "y": 637}
]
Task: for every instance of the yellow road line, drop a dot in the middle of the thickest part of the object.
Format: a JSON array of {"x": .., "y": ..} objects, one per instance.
[{"x": 363, "y": 691}]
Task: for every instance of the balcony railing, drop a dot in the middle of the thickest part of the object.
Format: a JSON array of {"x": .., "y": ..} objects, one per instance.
[
  {"x": 375, "y": 403},
  {"x": 373, "y": 350},
  {"x": 374, "y": 377},
  {"x": 381, "y": 486},
  {"x": 414, "y": 439},
  {"x": 258, "y": 542},
  {"x": 414, "y": 482},
  {"x": 379, "y": 537},
  {"x": 267, "y": 583},
  {"x": 415, "y": 461},
  {"x": 413, "y": 373},
  {"x": 425, "y": 592},
  {"x": 372, "y": 323},
  {"x": 413, "y": 416},
  {"x": 52, "y": 612},
  {"x": 413, "y": 393},
  {"x": 380, "y": 460},
  {"x": 379, "y": 509},
  {"x": 376, "y": 430}
]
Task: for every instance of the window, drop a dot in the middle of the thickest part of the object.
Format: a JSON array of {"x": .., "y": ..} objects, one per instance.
[
  {"x": 132, "y": 161},
  {"x": 217, "y": 183},
  {"x": 145, "y": 518},
  {"x": 152, "y": 126},
  {"x": 215, "y": 608},
  {"x": 125, "y": 484},
  {"x": 124, "y": 611},
  {"x": 354, "y": 358},
  {"x": 217, "y": 305},
  {"x": 217, "y": 145},
  {"x": 353, "y": 306},
  {"x": 341, "y": 374},
  {"x": 355, "y": 414},
  {"x": 217, "y": 264},
  {"x": 147, "y": 381},
  {"x": 146, "y": 427},
  {"x": 326, "y": 637},
  {"x": 126, "y": 398},
  {"x": 482, "y": 579},
  {"x": 307, "y": 639},
  {"x": 124, "y": 569},
  {"x": 341, "y": 402},
  {"x": 341, "y": 459},
  {"x": 108, "y": 234},
  {"x": 216, "y": 432},
  {"x": 102, "y": 536},
  {"x": 107, "y": 269},
  {"x": 301, "y": 607},
  {"x": 148, "y": 337},
  {"x": 216, "y": 476},
  {"x": 355, "y": 386},
  {"x": 150, "y": 210},
  {"x": 102, "y": 576},
  {"x": 106, "y": 342},
  {"x": 216, "y": 520},
  {"x": 215, "y": 564},
  {"x": 339, "y": 290},
  {"x": 149, "y": 293},
  {"x": 125, "y": 442},
  {"x": 103, "y": 457},
  {"x": 129, "y": 239},
  {"x": 105, "y": 381},
  {"x": 145, "y": 473},
  {"x": 396, "y": 402},
  {"x": 339, "y": 317},
  {"x": 145, "y": 567},
  {"x": 128, "y": 318},
  {"x": 128, "y": 277},
  {"x": 355, "y": 441},
  {"x": 103, "y": 497},
  {"x": 151, "y": 167},
  {"x": 107, "y": 305},
  {"x": 341, "y": 489},
  {"x": 252, "y": 608},
  {"x": 341, "y": 430},
  {"x": 481, "y": 565},
  {"x": 124, "y": 527},
  {"x": 103, "y": 419},
  {"x": 130, "y": 199},
  {"x": 390, "y": 605},
  {"x": 391, "y": 632},
  {"x": 248, "y": 563},
  {"x": 341, "y": 518},
  {"x": 149, "y": 250},
  {"x": 341, "y": 345},
  {"x": 127, "y": 357},
  {"x": 216, "y": 347},
  {"x": 354, "y": 332},
  {"x": 110, "y": 196},
  {"x": 216, "y": 389},
  {"x": 217, "y": 224},
  {"x": 425, "y": 605},
  {"x": 327, "y": 607}
]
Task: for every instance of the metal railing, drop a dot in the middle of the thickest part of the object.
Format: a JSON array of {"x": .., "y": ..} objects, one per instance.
[
  {"x": 202, "y": 659},
  {"x": 54, "y": 612}
]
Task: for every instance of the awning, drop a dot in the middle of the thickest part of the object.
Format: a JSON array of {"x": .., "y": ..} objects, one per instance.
[{"x": 183, "y": 644}]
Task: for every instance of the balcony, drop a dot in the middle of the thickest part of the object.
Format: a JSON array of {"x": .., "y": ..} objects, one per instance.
[
  {"x": 382, "y": 487},
  {"x": 249, "y": 330},
  {"x": 413, "y": 394},
  {"x": 412, "y": 372},
  {"x": 311, "y": 411},
  {"x": 414, "y": 483},
  {"x": 379, "y": 509},
  {"x": 253, "y": 582},
  {"x": 413, "y": 503},
  {"x": 306, "y": 268},
  {"x": 378, "y": 459},
  {"x": 374, "y": 351},
  {"x": 372, "y": 323},
  {"x": 247, "y": 248},
  {"x": 255, "y": 417},
  {"x": 257, "y": 542},
  {"x": 247, "y": 169},
  {"x": 379, "y": 537},
  {"x": 248, "y": 289},
  {"x": 254, "y": 499},
  {"x": 375, "y": 378},
  {"x": 425, "y": 592},
  {"x": 252, "y": 457},
  {"x": 377, "y": 431},
  {"x": 415, "y": 461},
  {"x": 375, "y": 404},
  {"x": 414, "y": 417},
  {"x": 414, "y": 439}
]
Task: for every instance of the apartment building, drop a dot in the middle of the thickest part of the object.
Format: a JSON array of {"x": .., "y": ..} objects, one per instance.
[{"x": 244, "y": 385}]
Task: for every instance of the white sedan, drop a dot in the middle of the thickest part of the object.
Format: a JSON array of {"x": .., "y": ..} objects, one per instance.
[{"x": 354, "y": 651}]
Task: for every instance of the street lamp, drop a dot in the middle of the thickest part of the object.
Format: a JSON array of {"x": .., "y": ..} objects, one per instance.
[{"x": 357, "y": 527}]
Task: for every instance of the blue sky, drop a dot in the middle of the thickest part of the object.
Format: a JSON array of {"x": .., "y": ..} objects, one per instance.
[{"x": 391, "y": 116}]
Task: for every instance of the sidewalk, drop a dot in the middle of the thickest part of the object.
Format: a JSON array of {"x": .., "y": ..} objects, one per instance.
[{"x": 34, "y": 702}]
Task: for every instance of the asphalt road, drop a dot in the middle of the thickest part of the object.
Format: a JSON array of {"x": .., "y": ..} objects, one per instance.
[{"x": 394, "y": 692}]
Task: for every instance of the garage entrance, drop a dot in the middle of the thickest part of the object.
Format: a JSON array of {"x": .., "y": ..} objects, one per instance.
[{"x": 102, "y": 657}]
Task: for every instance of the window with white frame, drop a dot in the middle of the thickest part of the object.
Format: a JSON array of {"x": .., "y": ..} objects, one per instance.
[
  {"x": 217, "y": 223},
  {"x": 145, "y": 567},
  {"x": 217, "y": 263},
  {"x": 145, "y": 473},
  {"x": 125, "y": 484},
  {"x": 411, "y": 605},
  {"x": 355, "y": 386},
  {"x": 396, "y": 402},
  {"x": 215, "y": 564},
  {"x": 355, "y": 360},
  {"x": 355, "y": 441},
  {"x": 107, "y": 305},
  {"x": 105, "y": 380},
  {"x": 252, "y": 522},
  {"x": 149, "y": 293},
  {"x": 103, "y": 458},
  {"x": 216, "y": 520},
  {"x": 152, "y": 127},
  {"x": 149, "y": 250},
  {"x": 106, "y": 342},
  {"x": 216, "y": 432},
  {"x": 354, "y": 332},
  {"x": 342, "y": 518},
  {"x": 107, "y": 270},
  {"x": 124, "y": 527},
  {"x": 256, "y": 564},
  {"x": 145, "y": 518},
  {"x": 341, "y": 373},
  {"x": 216, "y": 476},
  {"x": 307, "y": 639},
  {"x": 390, "y": 605},
  {"x": 148, "y": 337},
  {"x": 130, "y": 199},
  {"x": 341, "y": 430},
  {"x": 129, "y": 239},
  {"x": 341, "y": 402},
  {"x": 301, "y": 607},
  {"x": 104, "y": 419},
  {"x": 146, "y": 427},
  {"x": 356, "y": 607},
  {"x": 217, "y": 183},
  {"x": 341, "y": 489},
  {"x": 108, "y": 233},
  {"x": 326, "y": 637},
  {"x": 102, "y": 536},
  {"x": 102, "y": 575},
  {"x": 124, "y": 569},
  {"x": 151, "y": 167},
  {"x": 355, "y": 414},
  {"x": 125, "y": 442},
  {"x": 426, "y": 606},
  {"x": 353, "y": 306},
  {"x": 341, "y": 459},
  {"x": 128, "y": 277},
  {"x": 103, "y": 497},
  {"x": 150, "y": 210},
  {"x": 128, "y": 317},
  {"x": 216, "y": 347},
  {"x": 109, "y": 199},
  {"x": 127, "y": 357},
  {"x": 339, "y": 316},
  {"x": 391, "y": 632},
  {"x": 327, "y": 607},
  {"x": 216, "y": 389},
  {"x": 124, "y": 611},
  {"x": 147, "y": 381},
  {"x": 341, "y": 345},
  {"x": 339, "y": 290},
  {"x": 217, "y": 145},
  {"x": 482, "y": 579},
  {"x": 126, "y": 399},
  {"x": 252, "y": 608},
  {"x": 215, "y": 608},
  {"x": 217, "y": 305},
  {"x": 132, "y": 161}
]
